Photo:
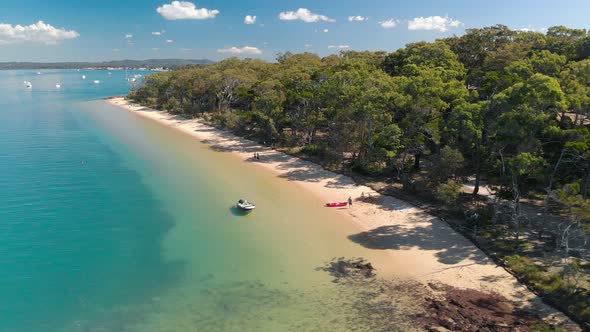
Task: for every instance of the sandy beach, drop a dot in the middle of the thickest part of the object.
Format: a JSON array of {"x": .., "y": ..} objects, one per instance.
[{"x": 421, "y": 246}]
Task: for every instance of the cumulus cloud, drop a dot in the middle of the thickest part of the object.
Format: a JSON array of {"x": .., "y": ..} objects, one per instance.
[
  {"x": 389, "y": 24},
  {"x": 543, "y": 30},
  {"x": 357, "y": 18},
  {"x": 249, "y": 19},
  {"x": 169, "y": 41},
  {"x": 185, "y": 10},
  {"x": 39, "y": 32},
  {"x": 339, "y": 46},
  {"x": 128, "y": 36},
  {"x": 437, "y": 23},
  {"x": 240, "y": 50},
  {"x": 304, "y": 15}
]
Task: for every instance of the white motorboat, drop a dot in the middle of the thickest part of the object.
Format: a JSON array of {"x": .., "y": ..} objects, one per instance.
[
  {"x": 58, "y": 85},
  {"x": 83, "y": 77},
  {"x": 28, "y": 84},
  {"x": 245, "y": 205},
  {"x": 96, "y": 81}
]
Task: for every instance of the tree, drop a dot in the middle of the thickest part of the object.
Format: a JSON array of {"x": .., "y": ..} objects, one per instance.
[{"x": 447, "y": 163}]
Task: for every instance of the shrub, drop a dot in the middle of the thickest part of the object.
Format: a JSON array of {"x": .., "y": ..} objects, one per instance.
[
  {"x": 448, "y": 192},
  {"x": 447, "y": 163},
  {"x": 312, "y": 150}
]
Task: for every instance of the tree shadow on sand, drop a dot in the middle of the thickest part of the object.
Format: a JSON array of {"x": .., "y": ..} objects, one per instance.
[{"x": 451, "y": 248}]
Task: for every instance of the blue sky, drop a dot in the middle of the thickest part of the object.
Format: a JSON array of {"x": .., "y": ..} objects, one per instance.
[{"x": 215, "y": 29}]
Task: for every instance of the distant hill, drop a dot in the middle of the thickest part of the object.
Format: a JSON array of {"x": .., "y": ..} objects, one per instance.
[{"x": 149, "y": 63}]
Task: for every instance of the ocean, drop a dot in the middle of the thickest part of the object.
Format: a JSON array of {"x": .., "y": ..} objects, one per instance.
[{"x": 112, "y": 222}]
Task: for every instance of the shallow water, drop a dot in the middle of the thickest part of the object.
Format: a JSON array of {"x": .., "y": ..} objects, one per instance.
[{"x": 112, "y": 222}]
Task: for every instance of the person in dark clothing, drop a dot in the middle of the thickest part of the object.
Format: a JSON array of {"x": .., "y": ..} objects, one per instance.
[{"x": 349, "y": 201}]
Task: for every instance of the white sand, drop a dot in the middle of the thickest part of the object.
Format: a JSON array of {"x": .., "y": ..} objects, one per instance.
[{"x": 422, "y": 247}]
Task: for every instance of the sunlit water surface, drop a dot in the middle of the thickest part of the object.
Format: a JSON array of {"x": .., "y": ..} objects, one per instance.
[{"x": 111, "y": 222}]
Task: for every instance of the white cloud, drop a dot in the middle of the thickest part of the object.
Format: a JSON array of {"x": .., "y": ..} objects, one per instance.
[
  {"x": 240, "y": 50},
  {"x": 185, "y": 10},
  {"x": 304, "y": 15},
  {"x": 339, "y": 46},
  {"x": 437, "y": 23},
  {"x": 308, "y": 45},
  {"x": 249, "y": 19},
  {"x": 39, "y": 32},
  {"x": 169, "y": 41},
  {"x": 389, "y": 24},
  {"x": 128, "y": 36},
  {"x": 543, "y": 30},
  {"x": 357, "y": 18}
]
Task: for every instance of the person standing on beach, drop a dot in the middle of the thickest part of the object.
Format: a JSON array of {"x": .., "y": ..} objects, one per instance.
[{"x": 349, "y": 201}]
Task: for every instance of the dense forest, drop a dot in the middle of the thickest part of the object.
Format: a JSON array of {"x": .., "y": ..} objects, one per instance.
[{"x": 506, "y": 108}]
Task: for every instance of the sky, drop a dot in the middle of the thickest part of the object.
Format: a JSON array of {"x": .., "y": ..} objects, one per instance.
[{"x": 74, "y": 30}]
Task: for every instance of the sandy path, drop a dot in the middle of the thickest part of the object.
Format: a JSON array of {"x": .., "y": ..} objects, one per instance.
[{"x": 422, "y": 247}]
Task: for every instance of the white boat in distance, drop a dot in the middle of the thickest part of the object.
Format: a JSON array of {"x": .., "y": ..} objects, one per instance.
[
  {"x": 28, "y": 84},
  {"x": 245, "y": 205},
  {"x": 83, "y": 77},
  {"x": 96, "y": 81}
]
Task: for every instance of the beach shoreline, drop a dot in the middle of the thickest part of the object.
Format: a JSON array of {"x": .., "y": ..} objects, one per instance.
[{"x": 422, "y": 247}]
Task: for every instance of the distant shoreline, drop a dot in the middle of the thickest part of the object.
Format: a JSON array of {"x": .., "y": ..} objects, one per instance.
[
  {"x": 148, "y": 64},
  {"x": 470, "y": 269}
]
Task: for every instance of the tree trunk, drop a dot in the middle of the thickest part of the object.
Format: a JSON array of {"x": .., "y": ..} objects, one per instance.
[
  {"x": 477, "y": 174},
  {"x": 585, "y": 184},
  {"x": 417, "y": 161}
]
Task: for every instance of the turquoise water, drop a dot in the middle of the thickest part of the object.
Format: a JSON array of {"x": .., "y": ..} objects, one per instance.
[
  {"x": 70, "y": 214},
  {"x": 112, "y": 222}
]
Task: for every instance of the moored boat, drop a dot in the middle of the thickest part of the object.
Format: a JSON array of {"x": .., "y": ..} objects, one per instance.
[{"x": 245, "y": 205}]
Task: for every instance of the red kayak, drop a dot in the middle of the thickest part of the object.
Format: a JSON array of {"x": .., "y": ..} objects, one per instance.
[{"x": 336, "y": 204}]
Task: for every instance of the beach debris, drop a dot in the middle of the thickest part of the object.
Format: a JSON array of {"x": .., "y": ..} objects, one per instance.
[{"x": 353, "y": 268}]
